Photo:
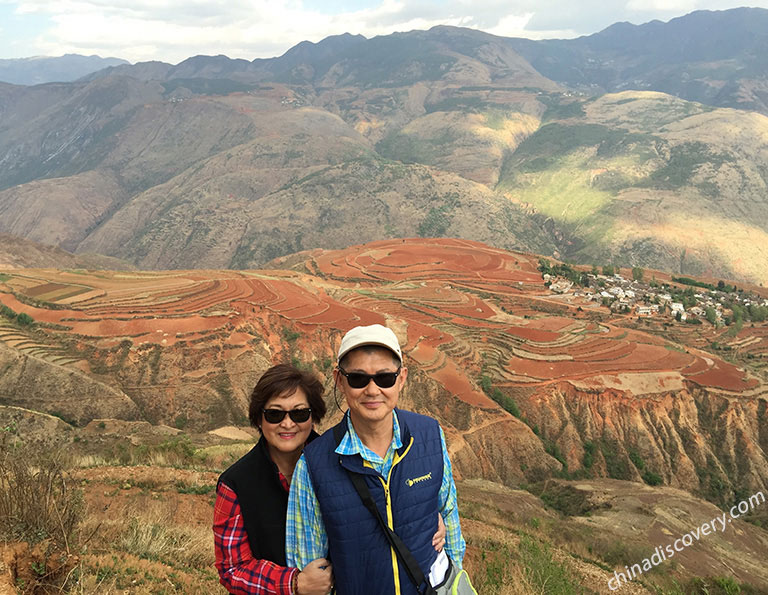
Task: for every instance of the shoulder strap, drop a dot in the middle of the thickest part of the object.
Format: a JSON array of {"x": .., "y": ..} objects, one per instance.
[{"x": 406, "y": 557}]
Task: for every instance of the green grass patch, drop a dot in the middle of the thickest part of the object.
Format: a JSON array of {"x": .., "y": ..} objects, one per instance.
[
  {"x": 197, "y": 489},
  {"x": 563, "y": 193},
  {"x": 684, "y": 161},
  {"x": 542, "y": 571}
]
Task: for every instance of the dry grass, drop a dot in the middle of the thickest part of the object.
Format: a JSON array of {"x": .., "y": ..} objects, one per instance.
[
  {"x": 145, "y": 548},
  {"x": 151, "y": 533}
]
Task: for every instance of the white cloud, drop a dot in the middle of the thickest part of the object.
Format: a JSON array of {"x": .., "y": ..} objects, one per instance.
[
  {"x": 172, "y": 30},
  {"x": 516, "y": 26},
  {"x": 671, "y": 6}
]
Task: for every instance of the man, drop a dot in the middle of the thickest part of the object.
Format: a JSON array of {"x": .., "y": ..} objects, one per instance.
[{"x": 404, "y": 461}]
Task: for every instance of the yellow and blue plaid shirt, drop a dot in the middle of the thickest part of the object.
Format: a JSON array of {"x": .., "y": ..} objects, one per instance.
[{"x": 305, "y": 535}]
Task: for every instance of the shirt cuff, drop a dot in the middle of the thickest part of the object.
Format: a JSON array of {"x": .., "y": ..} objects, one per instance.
[{"x": 285, "y": 582}]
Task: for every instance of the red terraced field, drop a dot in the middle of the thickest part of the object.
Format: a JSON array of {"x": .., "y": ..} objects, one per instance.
[
  {"x": 614, "y": 352},
  {"x": 157, "y": 329},
  {"x": 726, "y": 376},
  {"x": 420, "y": 259},
  {"x": 471, "y": 322},
  {"x": 443, "y": 296},
  {"x": 457, "y": 384},
  {"x": 551, "y": 323},
  {"x": 532, "y": 334}
]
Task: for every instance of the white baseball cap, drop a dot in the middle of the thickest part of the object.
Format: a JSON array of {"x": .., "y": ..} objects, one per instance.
[{"x": 374, "y": 334}]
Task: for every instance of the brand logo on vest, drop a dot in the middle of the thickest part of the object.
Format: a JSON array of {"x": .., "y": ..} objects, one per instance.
[{"x": 415, "y": 480}]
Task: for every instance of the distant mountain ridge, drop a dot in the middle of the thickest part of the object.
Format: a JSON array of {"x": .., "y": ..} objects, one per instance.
[
  {"x": 714, "y": 57},
  {"x": 452, "y": 132},
  {"x": 45, "y": 69}
]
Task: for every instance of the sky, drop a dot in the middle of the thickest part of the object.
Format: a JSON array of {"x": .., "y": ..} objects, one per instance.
[{"x": 172, "y": 30}]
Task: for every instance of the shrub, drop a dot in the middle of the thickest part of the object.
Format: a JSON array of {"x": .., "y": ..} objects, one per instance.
[
  {"x": 291, "y": 335},
  {"x": 589, "y": 455},
  {"x": 636, "y": 459},
  {"x": 40, "y": 509},
  {"x": 36, "y": 499},
  {"x": 507, "y": 403},
  {"x": 565, "y": 498},
  {"x": 25, "y": 319},
  {"x": 652, "y": 479}
]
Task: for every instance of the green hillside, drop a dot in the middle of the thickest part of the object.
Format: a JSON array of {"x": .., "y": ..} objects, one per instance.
[{"x": 644, "y": 178}]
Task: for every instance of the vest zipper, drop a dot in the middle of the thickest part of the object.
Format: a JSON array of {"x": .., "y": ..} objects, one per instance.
[{"x": 390, "y": 521}]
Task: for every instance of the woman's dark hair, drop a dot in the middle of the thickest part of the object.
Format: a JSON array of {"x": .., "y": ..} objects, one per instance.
[{"x": 284, "y": 379}]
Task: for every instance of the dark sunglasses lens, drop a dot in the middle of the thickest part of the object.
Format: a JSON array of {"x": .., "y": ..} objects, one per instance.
[
  {"x": 275, "y": 416},
  {"x": 358, "y": 380},
  {"x": 383, "y": 380},
  {"x": 300, "y": 415},
  {"x": 386, "y": 379}
]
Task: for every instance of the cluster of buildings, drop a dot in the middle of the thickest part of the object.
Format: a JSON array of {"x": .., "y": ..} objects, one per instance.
[{"x": 645, "y": 300}]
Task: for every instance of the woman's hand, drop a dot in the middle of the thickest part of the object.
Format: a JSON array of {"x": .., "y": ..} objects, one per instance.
[
  {"x": 438, "y": 540},
  {"x": 316, "y": 578}
]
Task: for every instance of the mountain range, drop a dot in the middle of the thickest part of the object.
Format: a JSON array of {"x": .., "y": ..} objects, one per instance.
[
  {"x": 639, "y": 145},
  {"x": 45, "y": 69}
]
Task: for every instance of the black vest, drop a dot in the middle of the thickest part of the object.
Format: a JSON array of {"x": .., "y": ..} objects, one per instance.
[{"x": 263, "y": 501}]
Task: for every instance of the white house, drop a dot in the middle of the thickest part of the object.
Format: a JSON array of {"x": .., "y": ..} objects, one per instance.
[{"x": 561, "y": 286}]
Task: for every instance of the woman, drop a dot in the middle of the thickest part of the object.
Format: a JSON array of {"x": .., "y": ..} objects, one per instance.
[{"x": 252, "y": 495}]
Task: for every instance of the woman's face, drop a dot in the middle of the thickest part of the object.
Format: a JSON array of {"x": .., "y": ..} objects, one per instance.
[{"x": 287, "y": 436}]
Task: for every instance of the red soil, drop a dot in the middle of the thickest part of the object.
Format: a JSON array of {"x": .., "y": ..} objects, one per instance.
[
  {"x": 457, "y": 384},
  {"x": 726, "y": 376},
  {"x": 532, "y": 334}
]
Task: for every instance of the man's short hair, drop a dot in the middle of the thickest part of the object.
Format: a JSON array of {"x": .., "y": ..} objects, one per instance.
[{"x": 284, "y": 379}]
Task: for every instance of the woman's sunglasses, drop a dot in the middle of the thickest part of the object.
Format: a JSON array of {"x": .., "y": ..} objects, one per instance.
[
  {"x": 360, "y": 380},
  {"x": 275, "y": 416}
]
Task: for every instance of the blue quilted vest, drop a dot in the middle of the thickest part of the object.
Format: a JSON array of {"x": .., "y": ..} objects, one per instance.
[{"x": 363, "y": 562}]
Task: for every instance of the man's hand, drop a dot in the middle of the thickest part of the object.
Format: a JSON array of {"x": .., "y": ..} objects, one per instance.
[
  {"x": 316, "y": 578},
  {"x": 438, "y": 539}
]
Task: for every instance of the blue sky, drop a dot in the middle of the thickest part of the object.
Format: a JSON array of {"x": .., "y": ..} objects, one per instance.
[
  {"x": 172, "y": 30},
  {"x": 17, "y": 30}
]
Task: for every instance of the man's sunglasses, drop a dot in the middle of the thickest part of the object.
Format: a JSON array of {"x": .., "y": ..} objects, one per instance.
[
  {"x": 275, "y": 416},
  {"x": 360, "y": 380}
]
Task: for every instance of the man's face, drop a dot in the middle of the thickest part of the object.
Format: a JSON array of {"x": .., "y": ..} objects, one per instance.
[{"x": 371, "y": 403}]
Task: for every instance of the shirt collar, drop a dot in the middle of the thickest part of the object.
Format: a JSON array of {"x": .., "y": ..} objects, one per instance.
[{"x": 351, "y": 444}]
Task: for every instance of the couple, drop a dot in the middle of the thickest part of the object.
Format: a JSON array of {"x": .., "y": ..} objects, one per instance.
[{"x": 281, "y": 514}]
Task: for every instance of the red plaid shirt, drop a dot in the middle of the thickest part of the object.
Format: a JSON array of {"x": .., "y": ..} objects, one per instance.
[{"x": 239, "y": 571}]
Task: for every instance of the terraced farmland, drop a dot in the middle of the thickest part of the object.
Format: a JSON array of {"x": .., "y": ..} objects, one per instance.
[{"x": 486, "y": 347}]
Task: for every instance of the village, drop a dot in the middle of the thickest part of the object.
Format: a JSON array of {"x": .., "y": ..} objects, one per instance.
[{"x": 684, "y": 300}]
